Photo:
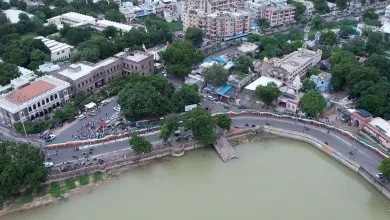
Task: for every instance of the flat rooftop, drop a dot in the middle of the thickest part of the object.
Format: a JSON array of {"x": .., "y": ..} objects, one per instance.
[
  {"x": 85, "y": 68},
  {"x": 13, "y": 15},
  {"x": 26, "y": 93},
  {"x": 382, "y": 124},
  {"x": 137, "y": 57},
  {"x": 263, "y": 81}
]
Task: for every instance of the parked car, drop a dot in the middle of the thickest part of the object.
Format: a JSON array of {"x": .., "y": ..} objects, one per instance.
[
  {"x": 50, "y": 137},
  {"x": 82, "y": 116},
  {"x": 48, "y": 164},
  {"x": 104, "y": 102},
  {"x": 92, "y": 113},
  {"x": 210, "y": 98},
  {"x": 117, "y": 108},
  {"x": 379, "y": 175}
]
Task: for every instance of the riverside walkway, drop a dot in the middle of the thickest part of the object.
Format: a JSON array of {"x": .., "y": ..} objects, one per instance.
[{"x": 225, "y": 150}]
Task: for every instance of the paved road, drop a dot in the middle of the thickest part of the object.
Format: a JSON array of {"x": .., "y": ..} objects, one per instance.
[
  {"x": 66, "y": 134},
  {"x": 365, "y": 157}
]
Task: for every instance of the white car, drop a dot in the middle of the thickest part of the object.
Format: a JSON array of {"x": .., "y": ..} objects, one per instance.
[
  {"x": 48, "y": 164},
  {"x": 210, "y": 98},
  {"x": 379, "y": 175},
  {"x": 117, "y": 108},
  {"x": 51, "y": 137},
  {"x": 82, "y": 116},
  {"x": 104, "y": 102}
]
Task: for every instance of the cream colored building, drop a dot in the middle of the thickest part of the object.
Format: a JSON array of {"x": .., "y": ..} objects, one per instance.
[
  {"x": 218, "y": 24},
  {"x": 219, "y": 5},
  {"x": 291, "y": 66},
  {"x": 58, "y": 50},
  {"x": 278, "y": 14}
]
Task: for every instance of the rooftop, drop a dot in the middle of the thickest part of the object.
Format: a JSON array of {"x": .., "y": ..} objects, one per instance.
[
  {"x": 26, "y": 93},
  {"x": 54, "y": 46},
  {"x": 136, "y": 57},
  {"x": 248, "y": 47},
  {"x": 323, "y": 76},
  {"x": 13, "y": 15},
  {"x": 263, "y": 81},
  {"x": 382, "y": 124},
  {"x": 81, "y": 69},
  {"x": 294, "y": 60}
]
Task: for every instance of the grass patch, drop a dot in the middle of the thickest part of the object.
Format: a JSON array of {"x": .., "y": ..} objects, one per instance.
[
  {"x": 97, "y": 177},
  {"x": 29, "y": 35},
  {"x": 175, "y": 26},
  {"x": 70, "y": 184},
  {"x": 41, "y": 191},
  {"x": 97, "y": 36},
  {"x": 26, "y": 196},
  {"x": 83, "y": 180},
  {"x": 55, "y": 190}
]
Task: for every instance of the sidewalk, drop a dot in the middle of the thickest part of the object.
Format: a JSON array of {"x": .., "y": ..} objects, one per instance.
[{"x": 58, "y": 130}]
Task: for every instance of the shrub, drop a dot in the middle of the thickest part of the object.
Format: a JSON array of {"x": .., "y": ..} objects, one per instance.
[
  {"x": 41, "y": 191},
  {"x": 84, "y": 180},
  {"x": 26, "y": 196},
  {"x": 97, "y": 177},
  {"x": 70, "y": 184},
  {"x": 55, "y": 190}
]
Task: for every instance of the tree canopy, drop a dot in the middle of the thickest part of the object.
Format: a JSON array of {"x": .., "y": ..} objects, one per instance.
[
  {"x": 180, "y": 57},
  {"x": 268, "y": 93},
  {"x": 328, "y": 37},
  {"x": 169, "y": 125},
  {"x": 370, "y": 17},
  {"x": 216, "y": 75},
  {"x": 201, "y": 123},
  {"x": 308, "y": 84},
  {"x": 139, "y": 144},
  {"x": 243, "y": 64},
  {"x": 194, "y": 35},
  {"x": 384, "y": 167},
  {"x": 8, "y": 72},
  {"x": 224, "y": 122},
  {"x": 21, "y": 165},
  {"x": 186, "y": 95},
  {"x": 313, "y": 103}
]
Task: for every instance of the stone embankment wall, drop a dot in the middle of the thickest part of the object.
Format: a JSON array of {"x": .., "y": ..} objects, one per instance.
[{"x": 332, "y": 153}]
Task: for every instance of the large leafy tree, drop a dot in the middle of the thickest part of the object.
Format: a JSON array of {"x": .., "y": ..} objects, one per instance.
[
  {"x": 312, "y": 103},
  {"x": 328, "y": 37},
  {"x": 37, "y": 57},
  {"x": 16, "y": 52},
  {"x": 201, "y": 123},
  {"x": 300, "y": 10},
  {"x": 381, "y": 62},
  {"x": 263, "y": 23},
  {"x": 139, "y": 144},
  {"x": 194, "y": 35},
  {"x": 186, "y": 95},
  {"x": 114, "y": 15},
  {"x": 216, "y": 75},
  {"x": 224, "y": 122},
  {"x": 66, "y": 113},
  {"x": 110, "y": 32},
  {"x": 80, "y": 98},
  {"x": 318, "y": 22},
  {"x": 140, "y": 100},
  {"x": 75, "y": 35},
  {"x": 384, "y": 167},
  {"x": 21, "y": 165},
  {"x": 47, "y": 30},
  {"x": 8, "y": 72},
  {"x": 308, "y": 85},
  {"x": 243, "y": 64},
  {"x": 375, "y": 43},
  {"x": 357, "y": 46},
  {"x": 180, "y": 57},
  {"x": 268, "y": 93},
  {"x": 370, "y": 17},
  {"x": 169, "y": 125}
]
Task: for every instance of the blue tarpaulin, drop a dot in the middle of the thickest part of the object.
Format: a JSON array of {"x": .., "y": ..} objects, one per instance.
[
  {"x": 220, "y": 60},
  {"x": 208, "y": 60},
  {"x": 141, "y": 15},
  {"x": 236, "y": 36},
  {"x": 224, "y": 89}
]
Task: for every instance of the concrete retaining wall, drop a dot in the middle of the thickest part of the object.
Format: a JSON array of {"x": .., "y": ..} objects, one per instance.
[{"x": 375, "y": 182}]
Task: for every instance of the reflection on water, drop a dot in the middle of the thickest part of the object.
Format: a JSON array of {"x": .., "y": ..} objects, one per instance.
[{"x": 279, "y": 179}]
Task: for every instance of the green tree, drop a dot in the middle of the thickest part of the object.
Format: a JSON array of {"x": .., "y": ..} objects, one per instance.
[
  {"x": 79, "y": 98},
  {"x": 141, "y": 99},
  {"x": 342, "y": 4},
  {"x": 362, "y": 73},
  {"x": 194, "y": 35},
  {"x": 110, "y": 32},
  {"x": 243, "y": 64},
  {"x": 295, "y": 34},
  {"x": 67, "y": 113},
  {"x": 263, "y": 23},
  {"x": 268, "y": 93},
  {"x": 224, "y": 122},
  {"x": 16, "y": 52},
  {"x": 37, "y": 57},
  {"x": 318, "y": 22},
  {"x": 47, "y": 30},
  {"x": 107, "y": 48},
  {"x": 216, "y": 75},
  {"x": 169, "y": 125},
  {"x": 384, "y": 167},
  {"x": 329, "y": 38},
  {"x": 313, "y": 103},
  {"x": 87, "y": 54},
  {"x": 321, "y": 6},
  {"x": 139, "y": 144},
  {"x": 374, "y": 43},
  {"x": 308, "y": 85},
  {"x": 312, "y": 71},
  {"x": 201, "y": 123},
  {"x": 370, "y": 17},
  {"x": 8, "y": 72},
  {"x": 180, "y": 57},
  {"x": 346, "y": 31},
  {"x": 21, "y": 165},
  {"x": 114, "y": 15},
  {"x": 74, "y": 36},
  {"x": 357, "y": 46},
  {"x": 381, "y": 62},
  {"x": 300, "y": 10},
  {"x": 186, "y": 95}
]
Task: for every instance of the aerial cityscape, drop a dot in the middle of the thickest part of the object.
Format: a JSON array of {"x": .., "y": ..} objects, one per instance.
[{"x": 266, "y": 91}]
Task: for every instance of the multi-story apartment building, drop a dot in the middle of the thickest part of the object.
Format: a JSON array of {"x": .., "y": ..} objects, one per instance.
[
  {"x": 210, "y": 6},
  {"x": 255, "y": 8},
  {"x": 291, "y": 66},
  {"x": 278, "y": 14},
  {"x": 35, "y": 100},
  {"x": 309, "y": 7},
  {"x": 218, "y": 24},
  {"x": 88, "y": 77}
]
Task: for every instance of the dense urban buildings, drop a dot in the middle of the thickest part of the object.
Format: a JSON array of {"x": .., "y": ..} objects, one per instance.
[
  {"x": 219, "y": 5},
  {"x": 35, "y": 100}
]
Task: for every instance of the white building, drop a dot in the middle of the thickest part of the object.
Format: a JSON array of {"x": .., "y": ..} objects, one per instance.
[
  {"x": 13, "y": 15},
  {"x": 26, "y": 76},
  {"x": 48, "y": 67},
  {"x": 309, "y": 6},
  {"x": 291, "y": 66},
  {"x": 57, "y": 49},
  {"x": 76, "y": 19},
  {"x": 35, "y": 100}
]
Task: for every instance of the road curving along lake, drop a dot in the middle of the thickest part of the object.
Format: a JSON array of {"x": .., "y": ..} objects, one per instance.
[{"x": 277, "y": 179}]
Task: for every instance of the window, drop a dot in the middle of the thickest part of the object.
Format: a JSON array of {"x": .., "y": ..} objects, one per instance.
[
  {"x": 78, "y": 85},
  {"x": 51, "y": 98},
  {"x": 82, "y": 83},
  {"x": 55, "y": 96},
  {"x": 34, "y": 106},
  {"x": 39, "y": 104},
  {"x": 142, "y": 66},
  {"x": 63, "y": 51},
  {"x": 90, "y": 80},
  {"x": 65, "y": 92},
  {"x": 58, "y": 53},
  {"x": 43, "y": 102},
  {"x": 29, "y": 109}
]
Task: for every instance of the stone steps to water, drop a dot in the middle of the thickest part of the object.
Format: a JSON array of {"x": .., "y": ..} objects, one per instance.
[{"x": 225, "y": 149}]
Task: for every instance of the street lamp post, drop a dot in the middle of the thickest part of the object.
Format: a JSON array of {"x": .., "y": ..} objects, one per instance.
[{"x": 24, "y": 129}]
